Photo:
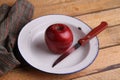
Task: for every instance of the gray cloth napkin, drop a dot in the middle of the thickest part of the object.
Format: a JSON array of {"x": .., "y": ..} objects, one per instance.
[{"x": 12, "y": 19}]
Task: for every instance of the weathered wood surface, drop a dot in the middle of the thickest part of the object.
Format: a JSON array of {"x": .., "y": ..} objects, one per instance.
[
  {"x": 103, "y": 76},
  {"x": 69, "y": 7},
  {"x": 107, "y": 64}
]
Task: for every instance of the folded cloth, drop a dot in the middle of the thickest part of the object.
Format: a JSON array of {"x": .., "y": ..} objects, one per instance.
[{"x": 12, "y": 19}]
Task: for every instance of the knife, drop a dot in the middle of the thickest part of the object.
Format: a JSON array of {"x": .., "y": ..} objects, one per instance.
[{"x": 82, "y": 41}]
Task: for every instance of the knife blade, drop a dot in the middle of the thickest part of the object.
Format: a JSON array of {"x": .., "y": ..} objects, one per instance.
[{"x": 82, "y": 41}]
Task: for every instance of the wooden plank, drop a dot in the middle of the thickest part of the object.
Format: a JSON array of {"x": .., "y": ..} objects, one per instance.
[
  {"x": 38, "y": 2},
  {"x": 107, "y": 57},
  {"x": 109, "y": 37},
  {"x": 9, "y": 2},
  {"x": 111, "y": 16},
  {"x": 68, "y": 7},
  {"x": 76, "y": 8},
  {"x": 108, "y": 75},
  {"x": 50, "y": 2}
]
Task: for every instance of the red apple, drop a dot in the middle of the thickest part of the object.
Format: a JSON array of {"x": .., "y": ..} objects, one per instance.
[{"x": 58, "y": 38}]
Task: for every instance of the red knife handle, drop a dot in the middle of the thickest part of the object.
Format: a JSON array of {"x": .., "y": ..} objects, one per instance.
[{"x": 93, "y": 33}]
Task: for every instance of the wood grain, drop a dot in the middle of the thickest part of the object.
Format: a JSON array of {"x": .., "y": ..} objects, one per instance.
[
  {"x": 9, "y": 2},
  {"x": 50, "y": 2},
  {"x": 111, "y": 16},
  {"x": 76, "y": 8},
  {"x": 109, "y": 37},
  {"x": 104, "y": 59},
  {"x": 103, "y": 76},
  {"x": 68, "y": 7},
  {"x": 39, "y": 3}
]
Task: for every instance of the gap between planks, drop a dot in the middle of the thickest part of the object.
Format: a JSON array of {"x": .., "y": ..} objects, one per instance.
[
  {"x": 108, "y": 68},
  {"x": 108, "y": 75},
  {"x": 83, "y": 6},
  {"x": 96, "y": 11},
  {"x": 112, "y": 35},
  {"x": 94, "y": 19},
  {"x": 76, "y": 7}
]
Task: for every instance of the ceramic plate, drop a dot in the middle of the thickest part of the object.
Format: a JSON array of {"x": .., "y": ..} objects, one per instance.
[{"x": 42, "y": 59}]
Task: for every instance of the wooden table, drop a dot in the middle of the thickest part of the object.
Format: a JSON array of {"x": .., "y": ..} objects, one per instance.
[{"x": 107, "y": 64}]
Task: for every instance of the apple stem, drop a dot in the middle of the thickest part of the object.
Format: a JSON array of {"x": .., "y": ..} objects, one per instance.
[{"x": 59, "y": 28}]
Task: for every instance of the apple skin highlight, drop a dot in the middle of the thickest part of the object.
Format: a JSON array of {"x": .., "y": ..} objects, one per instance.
[{"x": 58, "y": 38}]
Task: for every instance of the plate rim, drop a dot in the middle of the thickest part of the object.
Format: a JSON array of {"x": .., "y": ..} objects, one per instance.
[{"x": 61, "y": 73}]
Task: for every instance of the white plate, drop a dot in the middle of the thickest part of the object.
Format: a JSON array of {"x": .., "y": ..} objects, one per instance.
[{"x": 43, "y": 59}]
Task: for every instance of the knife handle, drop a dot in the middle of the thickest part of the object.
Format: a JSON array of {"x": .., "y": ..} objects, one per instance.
[{"x": 93, "y": 33}]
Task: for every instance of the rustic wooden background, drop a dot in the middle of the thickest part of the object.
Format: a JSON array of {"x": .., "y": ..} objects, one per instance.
[{"x": 107, "y": 64}]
